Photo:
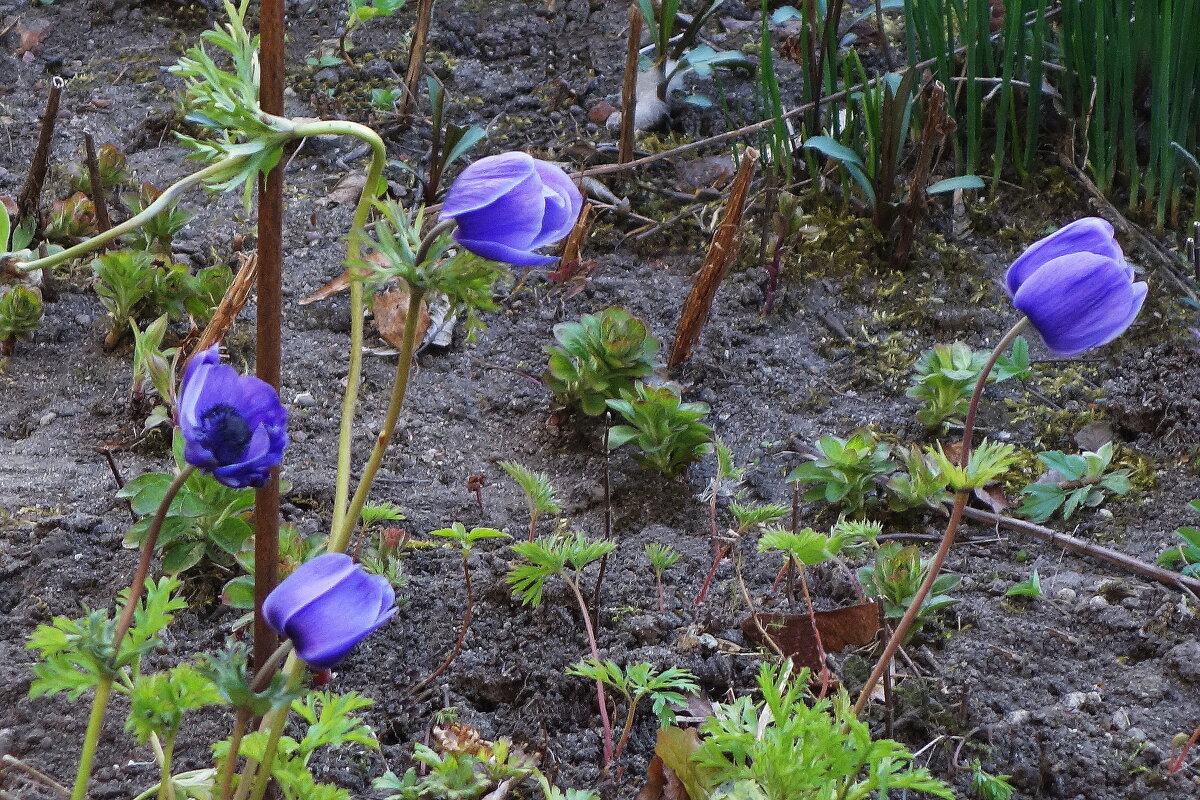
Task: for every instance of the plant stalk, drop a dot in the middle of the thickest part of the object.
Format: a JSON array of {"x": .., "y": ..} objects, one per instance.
[
  {"x": 956, "y": 515},
  {"x": 90, "y": 739},
  {"x": 601, "y": 698},
  {"x": 462, "y": 634}
]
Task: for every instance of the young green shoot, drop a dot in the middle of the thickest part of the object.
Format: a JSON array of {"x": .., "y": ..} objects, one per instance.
[
  {"x": 636, "y": 682},
  {"x": 566, "y": 557},
  {"x": 458, "y": 536},
  {"x": 540, "y": 497},
  {"x": 661, "y": 557}
]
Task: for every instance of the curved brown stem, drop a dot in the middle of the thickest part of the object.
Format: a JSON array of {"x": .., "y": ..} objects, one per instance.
[
  {"x": 458, "y": 643},
  {"x": 956, "y": 515},
  {"x": 601, "y": 698},
  {"x": 143, "y": 567}
]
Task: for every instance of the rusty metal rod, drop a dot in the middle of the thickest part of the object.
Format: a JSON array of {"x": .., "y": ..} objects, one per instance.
[{"x": 268, "y": 322}]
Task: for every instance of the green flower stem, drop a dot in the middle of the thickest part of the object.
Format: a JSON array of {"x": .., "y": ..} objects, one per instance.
[
  {"x": 258, "y": 774},
  {"x": 166, "y": 791},
  {"x": 340, "y": 536},
  {"x": 164, "y": 201},
  {"x": 353, "y": 254},
  {"x": 344, "y": 524},
  {"x": 95, "y": 722},
  {"x": 956, "y": 514},
  {"x": 104, "y": 688},
  {"x": 262, "y": 677}
]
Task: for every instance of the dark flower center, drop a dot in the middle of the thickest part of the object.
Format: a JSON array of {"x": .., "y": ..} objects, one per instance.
[{"x": 226, "y": 434}]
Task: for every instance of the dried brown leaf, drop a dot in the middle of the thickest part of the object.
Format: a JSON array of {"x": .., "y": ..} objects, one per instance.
[
  {"x": 994, "y": 497},
  {"x": 675, "y": 749},
  {"x": 839, "y": 628},
  {"x": 391, "y": 311},
  {"x": 339, "y": 284}
]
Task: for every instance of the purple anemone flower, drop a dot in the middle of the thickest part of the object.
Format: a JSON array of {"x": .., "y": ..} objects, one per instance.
[
  {"x": 509, "y": 205},
  {"x": 327, "y": 606},
  {"x": 234, "y": 426},
  {"x": 1076, "y": 288}
]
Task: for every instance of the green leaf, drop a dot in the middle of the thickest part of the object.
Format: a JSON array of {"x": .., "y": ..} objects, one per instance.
[
  {"x": 1031, "y": 587},
  {"x": 953, "y": 184},
  {"x": 182, "y": 556},
  {"x": 1071, "y": 467}
]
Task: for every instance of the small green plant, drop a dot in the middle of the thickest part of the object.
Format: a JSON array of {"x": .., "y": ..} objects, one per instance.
[
  {"x": 667, "y": 430},
  {"x": 71, "y": 219},
  {"x": 123, "y": 278},
  {"x": 362, "y": 11},
  {"x": 1080, "y": 481},
  {"x": 565, "y": 556},
  {"x": 803, "y": 548},
  {"x": 380, "y": 554},
  {"x": 113, "y": 168},
  {"x": 853, "y": 537},
  {"x": 598, "y": 358},
  {"x": 895, "y": 576},
  {"x": 844, "y": 471},
  {"x": 540, "y": 497},
  {"x": 988, "y": 462},
  {"x": 1184, "y": 556},
  {"x": 635, "y": 683},
  {"x": 987, "y": 786},
  {"x": 1030, "y": 587},
  {"x": 159, "y": 231},
  {"x": 661, "y": 557},
  {"x": 920, "y": 483},
  {"x": 20, "y": 315},
  {"x": 204, "y": 520},
  {"x": 385, "y": 99},
  {"x": 944, "y": 376},
  {"x": 673, "y": 55},
  {"x": 780, "y": 747},
  {"x": 746, "y": 518}
]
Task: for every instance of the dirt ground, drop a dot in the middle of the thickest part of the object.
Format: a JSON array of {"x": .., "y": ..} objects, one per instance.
[{"x": 1076, "y": 695}]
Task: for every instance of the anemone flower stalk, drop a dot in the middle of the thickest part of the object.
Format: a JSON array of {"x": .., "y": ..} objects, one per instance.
[
  {"x": 104, "y": 687},
  {"x": 1077, "y": 291},
  {"x": 956, "y": 514},
  {"x": 339, "y": 538},
  {"x": 262, "y": 677}
]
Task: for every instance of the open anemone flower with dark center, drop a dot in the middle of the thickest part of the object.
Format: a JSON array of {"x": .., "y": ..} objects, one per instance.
[{"x": 233, "y": 426}]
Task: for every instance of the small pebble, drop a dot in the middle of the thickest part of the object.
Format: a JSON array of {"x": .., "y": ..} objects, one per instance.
[
  {"x": 305, "y": 400},
  {"x": 1065, "y": 595},
  {"x": 1098, "y": 601},
  {"x": 83, "y": 320},
  {"x": 47, "y": 418},
  {"x": 1120, "y": 719}
]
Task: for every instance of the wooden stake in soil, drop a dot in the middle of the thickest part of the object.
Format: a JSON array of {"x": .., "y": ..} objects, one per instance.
[
  {"x": 103, "y": 221},
  {"x": 629, "y": 90},
  {"x": 416, "y": 58},
  {"x": 720, "y": 255},
  {"x": 31, "y": 192},
  {"x": 270, "y": 300}
]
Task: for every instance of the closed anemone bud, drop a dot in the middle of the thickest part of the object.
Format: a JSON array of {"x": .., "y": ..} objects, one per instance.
[
  {"x": 1076, "y": 288},
  {"x": 327, "y": 606},
  {"x": 233, "y": 426},
  {"x": 509, "y": 205}
]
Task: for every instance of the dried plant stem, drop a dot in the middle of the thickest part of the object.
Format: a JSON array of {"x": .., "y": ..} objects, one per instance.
[
  {"x": 629, "y": 90},
  {"x": 416, "y": 57},
  {"x": 31, "y": 191},
  {"x": 269, "y": 319},
  {"x": 601, "y": 698},
  {"x": 956, "y": 515},
  {"x": 103, "y": 221},
  {"x": 722, "y": 553}
]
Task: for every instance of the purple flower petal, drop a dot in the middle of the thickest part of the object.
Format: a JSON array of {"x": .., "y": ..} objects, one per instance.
[
  {"x": 1080, "y": 301},
  {"x": 563, "y": 202},
  {"x": 1087, "y": 235},
  {"x": 507, "y": 255},
  {"x": 513, "y": 220},
  {"x": 327, "y": 606},
  {"x": 486, "y": 181},
  {"x": 307, "y": 583}
]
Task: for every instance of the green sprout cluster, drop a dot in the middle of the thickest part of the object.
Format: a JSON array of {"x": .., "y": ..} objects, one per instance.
[{"x": 598, "y": 358}]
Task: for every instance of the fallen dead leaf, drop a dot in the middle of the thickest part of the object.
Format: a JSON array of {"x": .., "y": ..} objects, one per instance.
[
  {"x": 339, "y": 284},
  {"x": 348, "y": 189},
  {"x": 839, "y": 628},
  {"x": 31, "y": 35},
  {"x": 994, "y": 497},
  {"x": 391, "y": 311},
  {"x": 674, "y": 750}
]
